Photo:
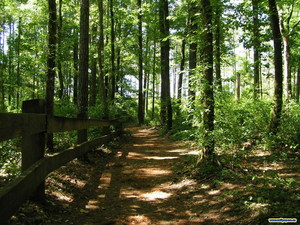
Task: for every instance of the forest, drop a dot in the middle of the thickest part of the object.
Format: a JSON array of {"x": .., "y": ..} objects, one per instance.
[{"x": 221, "y": 76}]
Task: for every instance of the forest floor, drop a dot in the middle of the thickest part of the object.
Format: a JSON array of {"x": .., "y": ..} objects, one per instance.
[{"x": 145, "y": 180}]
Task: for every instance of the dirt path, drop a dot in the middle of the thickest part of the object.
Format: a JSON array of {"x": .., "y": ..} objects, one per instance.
[{"x": 136, "y": 188}]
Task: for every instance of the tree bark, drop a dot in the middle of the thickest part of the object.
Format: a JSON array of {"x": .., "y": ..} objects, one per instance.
[
  {"x": 83, "y": 67},
  {"x": 218, "y": 41},
  {"x": 298, "y": 84},
  {"x": 103, "y": 90},
  {"x": 112, "y": 56},
  {"x": 208, "y": 93},
  {"x": 166, "y": 106},
  {"x": 153, "y": 79},
  {"x": 192, "y": 52},
  {"x": 238, "y": 86},
  {"x": 93, "y": 91},
  {"x": 51, "y": 65},
  {"x": 60, "y": 58},
  {"x": 141, "y": 111},
  {"x": 75, "y": 66},
  {"x": 277, "y": 108},
  {"x": 180, "y": 78},
  {"x": 256, "y": 47}
]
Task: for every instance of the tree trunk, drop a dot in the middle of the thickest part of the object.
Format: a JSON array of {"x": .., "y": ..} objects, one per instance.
[
  {"x": 208, "y": 93},
  {"x": 18, "y": 63},
  {"x": 93, "y": 90},
  {"x": 83, "y": 67},
  {"x": 285, "y": 35},
  {"x": 75, "y": 65},
  {"x": 192, "y": 52},
  {"x": 218, "y": 38},
  {"x": 103, "y": 91},
  {"x": 141, "y": 111},
  {"x": 298, "y": 84},
  {"x": 60, "y": 58},
  {"x": 277, "y": 108},
  {"x": 238, "y": 86},
  {"x": 166, "y": 106},
  {"x": 154, "y": 79},
  {"x": 112, "y": 56},
  {"x": 256, "y": 47},
  {"x": 2, "y": 79},
  {"x": 51, "y": 66},
  {"x": 180, "y": 78}
]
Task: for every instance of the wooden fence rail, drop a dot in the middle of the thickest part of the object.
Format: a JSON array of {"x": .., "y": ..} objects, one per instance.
[{"x": 36, "y": 167}]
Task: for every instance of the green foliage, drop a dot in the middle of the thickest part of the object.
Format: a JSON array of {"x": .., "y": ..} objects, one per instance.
[
  {"x": 10, "y": 158},
  {"x": 288, "y": 136},
  {"x": 237, "y": 122},
  {"x": 124, "y": 109}
]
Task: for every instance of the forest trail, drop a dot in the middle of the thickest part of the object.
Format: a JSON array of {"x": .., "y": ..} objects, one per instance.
[
  {"x": 136, "y": 187},
  {"x": 141, "y": 183}
]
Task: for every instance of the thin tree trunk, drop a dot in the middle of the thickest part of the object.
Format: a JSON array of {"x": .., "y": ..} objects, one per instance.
[
  {"x": 75, "y": 65},
  {"x": 103, "y": 90},
  {"x": 298, "y": 84},
  {"x": 208, "y": 93},
  {"x": 60, "y": 58},
  {"x": 112, "y": 57},
  {"x": 180, "y": 78},
  {"x": 238, "y": 86},
  {"x": 141, "y": 111},
  {"x": 256, "y": 47},
  {"x": 83, "y": 67},
  {"x": 51, "y": 66},
  {"x": 154, "y": 79},
  {"x": 93, "y": 82},
  {"x": 277, "y": 108},
  {"x": 192, "y": 53},
  {"x": 18, "y": 63},
  {"x": 2, "y": 79},
  {"x": 218, "y": 48}
]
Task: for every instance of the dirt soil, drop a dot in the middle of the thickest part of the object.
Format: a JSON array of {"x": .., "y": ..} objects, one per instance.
[{"x": 140, "y": 184}]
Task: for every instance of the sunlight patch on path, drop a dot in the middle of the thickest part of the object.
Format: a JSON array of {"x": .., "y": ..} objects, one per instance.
[{"x": 155, "y": 195}]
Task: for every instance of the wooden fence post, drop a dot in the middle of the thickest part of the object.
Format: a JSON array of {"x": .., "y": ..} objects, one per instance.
[{"x": 33, "y": 146}]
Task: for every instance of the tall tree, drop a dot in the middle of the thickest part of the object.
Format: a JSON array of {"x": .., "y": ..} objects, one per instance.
[
  {"x": 51, "y": 65},
  {"x": 112, "y": 46},
  {"x": 193, "y": 26},
  {"x": 277, "y": 108},
  {"x": 182, "y": 63},
  {"x": 287, "y": 30},
  {"x": 141, "y": 110},
  {"x": 75, "y": 66},
  {"x": 59, "y": 46},
  {"x": 218, "y": 43},
  {"x": 208, "y": 92},
  {"x": 83, "y": 67},
  {"x": 256, "y": 47},
  {"x": 298, "y": 84},
  {"x": 102, "y": 86},
  {"x": 166, "y": 105}
]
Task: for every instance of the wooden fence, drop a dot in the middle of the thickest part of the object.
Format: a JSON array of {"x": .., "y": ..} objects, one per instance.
[{"x": 33, "y": 127}]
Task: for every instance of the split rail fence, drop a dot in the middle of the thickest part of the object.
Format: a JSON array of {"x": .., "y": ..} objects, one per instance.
[{"x": 33, "y": 125}]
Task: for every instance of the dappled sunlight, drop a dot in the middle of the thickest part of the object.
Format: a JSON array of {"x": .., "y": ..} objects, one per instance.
[
  {"x": 160, "y": 158},
  {"x": 92, "y": 205},
  {"x": 105, "y": 180},
  {"x": 66, "y": 197},
  {"x": 146, "y": 172},
  {"x": 151, "y": 196}
]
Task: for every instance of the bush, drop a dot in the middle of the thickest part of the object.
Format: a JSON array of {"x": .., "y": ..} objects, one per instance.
[
  {"x": 288, "y": 135},
  {"x": 237, "y": 122}
]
